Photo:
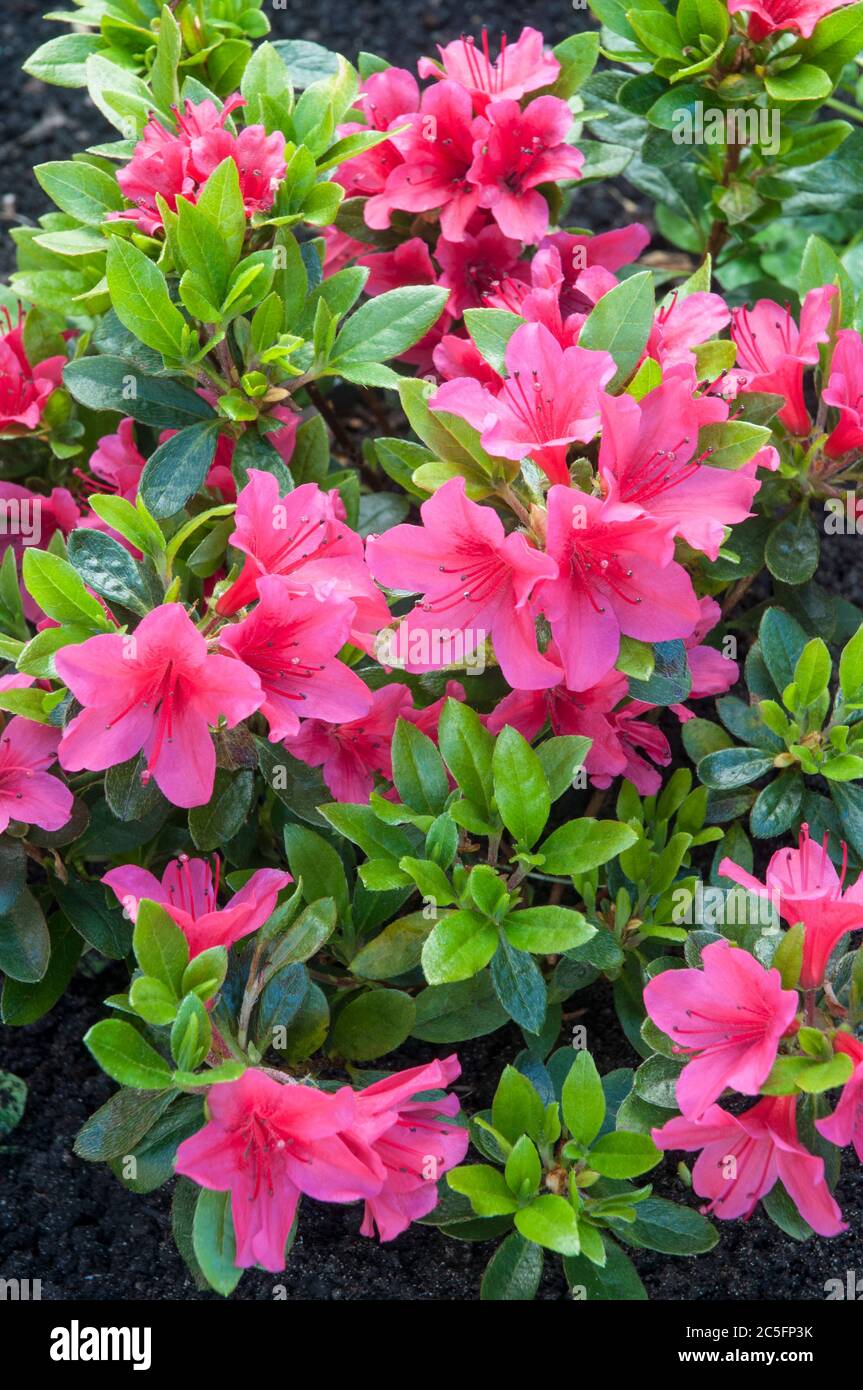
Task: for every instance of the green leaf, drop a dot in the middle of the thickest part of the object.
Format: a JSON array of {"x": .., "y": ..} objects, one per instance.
[
  {"x": 851, "y": 667},
  {"x": 467, "y": 749},
  {"x": 126, "y": 1057},
  {"x": 793, "y": 548},
  {"x": 621, "y": 322},
  {"x": 59, "y": 591},
  {"x": 313, "y": 859},
  {"x": 777, "y": 806},
  {"x": 133, "y": 522},
  {"x": 455, "y": 1013},
  {"x": 178, "y": 469},
  {"x": 388, "y": 325},
  {"x": 140, "y": 298},
  {"x": 460, "y": 945},
  {"x": 550, "y": 1221},
  {"x": 13, "y": 1099},
  {"x": 670, "y": 681},
  {"x": 583, "y": 1100},
  {"x": 82, "y": 190},
  {"x": 624, "y": 1155},
  {"x": 25, "y": 945},
  {"x": 561, "y": 757},
  {"x": 485, "y": 1188},
  {"x": 547, "y": 930},
  {"x": 395, "y": 950},
  {"x": 161, "y": 948},
  {"x": 418, "y": 771},
  {"x": 375, "y": 1022},
  {"x": 491, "y": 330},
  {"x": 107, "y": 567},
  {"x": 214, "y": 1243},
  {"x": 671, "y": 1229},
  {"x": 520, "y": 986},
  {"x": 114, "y": 383},
  {"x": 517, "y": 1108},
  {"x": 514, "y": 1271},
  {"x": 227, "y": 810},
  {"x": 582, "y": 845},
  {"x": 781, "y": 639},
  {"x": 521, "y": 788},
  {"x": 63, "y": 61},
  {"x": 191, "y": 1034},
  {"x": 26, "y": 1002},
  {"x": 733, "y": 767},
  {"x": 805, "y": 82},
  {"x": 617, "y": 1280},
  {"x": 103, "y": 927}
]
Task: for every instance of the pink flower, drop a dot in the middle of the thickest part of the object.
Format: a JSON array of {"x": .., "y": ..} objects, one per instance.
[
  {"x": 350, "y": 754},
  {"x": 303, "y": 537},
  {"x": 475, "y": 580},
  {"x": 266, "y": 1142},
  {"x": 409, "y": 264},
  {"x": 515, "y": 152},
  {"x": 523, "y": 66},
  {"x": 24, "y": 386},
  {"x": 29, "y": 519},
  {"x": 190, "y": 894},
  {"x": 118, "y": 461},
  {"x": 772, "y": 16},
  {"x": 616, "y": 576},
  {"x": 428, "y": 718},
  {"x": 772, "y": 351},
  {"x": 540, "y": 300},
  {"x": 178, "y": 165},
  {"x": 601, "y": 713},
  {"x": 437, "y": 151},
  {"x": 728, "y": 1017},
  {"x": 845, "y": 1125},
  {"x": 456, "y": 357},
  {"x": 291, "y": 641},
  {"x": 27, "y": 792},
  {"x": 744, "y": 1156},
  {"x": 682, "y": 324},
  {"x": 646, "y": 461},
  {"x": 810, "y": 891},
  {"x": 414, "y": 1143},
  {"x": 844, "y": 390},
  {"x": 712, "y": 672},
  {"x": 549, "y": 400},
  {"x": 586, "y": 263},
  {"x": 475, "y": 266},
  {"x": 156, "y": 690}
]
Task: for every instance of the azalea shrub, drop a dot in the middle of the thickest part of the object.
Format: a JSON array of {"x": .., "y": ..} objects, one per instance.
[{"x": 369, "y": 529}]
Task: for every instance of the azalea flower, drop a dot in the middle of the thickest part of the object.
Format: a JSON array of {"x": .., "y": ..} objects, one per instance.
[
  {"x": 616, "y": 576},
  {"x": 844, "y": 390},
  {"x": 523, "y": 66},
  {"x": 682, "y": 324},
  {"x": 549, "y": 400},
  {"x": 437, "y": 151},
  {"x": 475, "y": 580},
  {"x": 845, "y": 1125},
  {"x": 189, "y": 892},
  {"x": 587, "y": 261},
  {"x": 744, "y": 1156},
  {"x": 517, "y": 151},
  {"x": 601, "y": 713},
  {"x": 24, "y": 386},
  {"x": 413, "y": 1142},
  {"x": 178, "y": 165},
  {"x": 711, "y": 671},
  {"x": 728, "y": 1017},
  {"x": 352, "y": 753},
  {"x": 118, "y": 462},
  {"x": 773, "y": 16},
  {"x": 303, "y": 537},
  {"x": 428, "y": 718},
  {"x": 158, "y": 690},
  {"x": 539, "y": 300},
  {"x": 29, "y": 519},
  {"x": 409, "y": 264},
  {"x": 28, "y": 793},
  {"x": 456, "y": 356},
  {"x": 810, "y": 891},
  {"x": 383, "y": 99},
  {"x": 475, "y": 266},
  {"x": 772, "y": 351},
  {"x": 266, "y": 1142},
  {"x": 647, "y": 460},
  {"x": 291, "y": 640}
]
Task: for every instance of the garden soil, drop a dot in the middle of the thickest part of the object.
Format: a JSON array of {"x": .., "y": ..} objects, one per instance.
[{"x": 71, "y": 1224}]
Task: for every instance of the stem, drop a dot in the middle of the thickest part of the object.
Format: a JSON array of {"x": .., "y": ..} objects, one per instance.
[
  {"x": 594, "y": 805},
  {"x": 844, "y": 109},
  {"x": 719, "y": 230},
  {"x": 506, "y": 494}
]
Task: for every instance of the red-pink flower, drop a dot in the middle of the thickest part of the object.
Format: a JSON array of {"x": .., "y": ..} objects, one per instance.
[
  {"x": 586, "y": 263},
  {"x": 539, "y": 300},
  {"x": 601, "y": 713},
  {"x": 118, "y": 462},
  {"x": 266, "y": 1142},
  {"x": 516, "y": 151},
  {"x": 413, "y": 1142},
  {"x": 291, "y": 640},
  {"x": 772, "y": 351},
  {"x": 189, "y": 891},
  {"x": 845, "y": 1125},
  {"x": 24, "y": 386},
  {"x": 476, "y": 581},
  {"x": 712, "y": 672},
  {"x": 616, "y": 577},
  {"x": 158, "y": 690},
  {"x": 844, "y": 390},
  {"x": 744, "y": 1156},
  {"x": 683, "y": 324},
  {"x": 773, "y": 16},
  {"x": 409, "y": 264},
  {"x": 549, "y": 400},
  {"x": 647, "y": 459},
  {"x": 456, "y": 356},
  {"x": 437, "y": 151},
  {"x": 475, "y": 266},
  {"x": 351, "y": 754},
  {"x": 178, "y": 165},
  {"x": 728, "y": 1018},
  {"x": 303, "y": 537},
  {"x": 29, "y": 519},
  {"x": 27, "y": 791},
  {"x": 523, "y": 66},
  {"x": 810, "y": 891}
]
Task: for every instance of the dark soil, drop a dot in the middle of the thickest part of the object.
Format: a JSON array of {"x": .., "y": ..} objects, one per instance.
[{"x": 72, "y": 1224}]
